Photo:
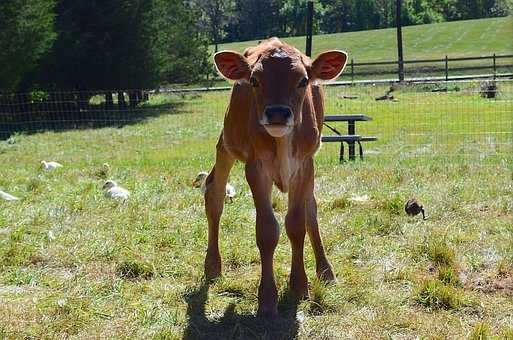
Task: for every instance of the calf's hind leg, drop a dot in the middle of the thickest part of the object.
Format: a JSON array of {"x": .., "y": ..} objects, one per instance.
[
  {"x": 214, "y": 202},
  {"x": 323, "y": 267}
]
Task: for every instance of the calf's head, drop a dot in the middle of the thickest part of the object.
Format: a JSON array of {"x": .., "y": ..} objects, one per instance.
[{"x": 280, "y": 76}]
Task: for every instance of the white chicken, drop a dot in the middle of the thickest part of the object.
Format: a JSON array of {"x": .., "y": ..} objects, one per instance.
[
  {"x": 7, "y": 197},
  {"x": 49, "y": 166},
  {"x": 230, "y": 192},
  {"x": 114, "y": 191},
  {"x": 200, "y": 182}
]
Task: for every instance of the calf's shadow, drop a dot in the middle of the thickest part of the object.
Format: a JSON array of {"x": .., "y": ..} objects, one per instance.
[{"x": 233, "y": 325}]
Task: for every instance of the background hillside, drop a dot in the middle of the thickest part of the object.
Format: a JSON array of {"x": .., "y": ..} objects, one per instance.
[{"x": 478, "y": 37}]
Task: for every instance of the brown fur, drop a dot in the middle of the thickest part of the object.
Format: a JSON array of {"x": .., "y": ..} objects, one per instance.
[{"x": 285, "y": 161}]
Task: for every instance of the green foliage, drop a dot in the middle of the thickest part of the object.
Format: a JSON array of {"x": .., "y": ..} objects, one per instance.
[
  {"x": 434, "y": 294},
  {"x": 132, "y": 269},
  {"x": 340, "y": 203},
  {"x": 179, "y": 51},
  {"x": 481, "y": 331},
  {"x": 448, "y": 275},
  {"x": 393, "y": 204},
  {"x": 15, "y": 251},
  {"x": 123, "y": 44},
  {"x": 422, "y": 12},
  {"x": 26, "y": 35},
  {"x": 439, "y": 251},
  {"x": 288, "y": 17}
]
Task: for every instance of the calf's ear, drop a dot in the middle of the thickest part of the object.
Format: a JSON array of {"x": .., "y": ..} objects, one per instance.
[
  {"x": 232, "y": 65},
  {"x": 328, "y": 65}
]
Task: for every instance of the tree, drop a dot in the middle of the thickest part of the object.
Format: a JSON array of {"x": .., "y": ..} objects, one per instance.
[
  {"x": 338, "y": 16},
  {"x": 179, "y": 49},
  {"x": 26, "y": 36},
  {"x": 122, "y": 44},
  {"x": 255, "y": 19},
  {"x": 293, "y": 14},
  {"x": 215, "y": 15}
]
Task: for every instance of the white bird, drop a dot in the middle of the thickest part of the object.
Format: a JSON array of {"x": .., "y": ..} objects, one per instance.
[
  {"x": 49, "y": 166},
  {"x": 200, "y": 182},
  {"x": 114, "y": 191},
  {"x": 230, "y": 192},
  {"x": 8, "y": 197},
  {"x": 359, "y": 198}
]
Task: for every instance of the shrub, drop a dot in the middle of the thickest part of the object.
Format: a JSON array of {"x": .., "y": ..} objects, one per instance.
[{"x": 434, "y": 294}]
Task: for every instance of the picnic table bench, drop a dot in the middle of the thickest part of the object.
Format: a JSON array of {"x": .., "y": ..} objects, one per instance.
[{"x": 351, "y": 138}]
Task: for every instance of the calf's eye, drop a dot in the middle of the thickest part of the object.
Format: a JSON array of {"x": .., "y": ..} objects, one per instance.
[
  {"x": 253, "y": 82},
  {"x": 303, "y": 82}
]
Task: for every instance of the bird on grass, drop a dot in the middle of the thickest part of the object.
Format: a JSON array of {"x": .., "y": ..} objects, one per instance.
[
  {"x": 200, "y": 182},
  {"x": 230, "y": 192},
  {"x": 49, "y": 166},
  {"x": 7, "y": 197},
  {"x": 114, "y": 191},
  {"x": 413, "y": 207},
  {"x": 104, "y": 171}
]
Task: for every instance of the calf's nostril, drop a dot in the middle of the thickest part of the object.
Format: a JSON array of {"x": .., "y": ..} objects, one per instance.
[{"x": 278, "y": 114}]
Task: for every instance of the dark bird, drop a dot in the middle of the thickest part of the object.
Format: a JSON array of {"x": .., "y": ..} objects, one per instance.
[
  {"x": 413, "y": 208},
  {"x": 385, "y": 97},
  {"x": 388, "y": 95}
]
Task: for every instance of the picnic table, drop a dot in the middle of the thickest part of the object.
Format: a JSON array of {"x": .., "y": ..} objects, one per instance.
[{"x": 351, "y": 138}]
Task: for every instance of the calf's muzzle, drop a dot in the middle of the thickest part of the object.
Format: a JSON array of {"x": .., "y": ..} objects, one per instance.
[{"x": 278, "y": 114}]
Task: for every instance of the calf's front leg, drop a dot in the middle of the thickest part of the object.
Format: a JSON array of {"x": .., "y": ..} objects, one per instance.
[
  {"x": 215, "y": 190},
  {"x": 267, "y": 235},
  {"x": 295, "y": 224}
]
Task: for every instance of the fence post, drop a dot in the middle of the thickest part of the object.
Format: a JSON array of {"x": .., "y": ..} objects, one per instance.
[
  {"x": 309, "y": 24},
  {"x": 352, "y": 70},
  {"x": 446, "y": 68},
  {"x": 400, "y": 58},
  {"x": 494, "y": 67}
]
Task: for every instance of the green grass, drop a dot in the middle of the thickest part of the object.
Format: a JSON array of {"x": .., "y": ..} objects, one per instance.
[
  {"x": 468, "y": 38},
  {"x": 74, "y": 264}
]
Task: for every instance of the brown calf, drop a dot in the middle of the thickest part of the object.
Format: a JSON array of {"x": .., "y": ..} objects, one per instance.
[{"x": 273, "y": 124}]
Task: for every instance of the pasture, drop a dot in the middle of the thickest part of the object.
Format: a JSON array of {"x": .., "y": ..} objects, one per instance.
[
  {"x": 461, "y": 39},
  {"x": 466, "y": 38},
  {"x": 75, "y": 264}
]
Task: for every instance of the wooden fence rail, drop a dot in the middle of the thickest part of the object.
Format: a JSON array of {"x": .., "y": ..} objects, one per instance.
[{"x": 446, "y": 69}]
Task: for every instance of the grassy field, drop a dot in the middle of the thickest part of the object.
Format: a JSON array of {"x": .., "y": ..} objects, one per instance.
[
  {"x": 468, "y": 38},
  {"x": 74, "y": 264}
]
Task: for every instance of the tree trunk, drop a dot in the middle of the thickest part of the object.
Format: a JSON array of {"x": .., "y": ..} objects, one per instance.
[
  {"x": 109, "y": 102},
  {"x": 121, "y": 101},
  {"x": 132, "y": 96}
]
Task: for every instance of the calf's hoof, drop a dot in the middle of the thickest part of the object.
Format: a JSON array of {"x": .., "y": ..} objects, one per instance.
[
  {"x": 299, "y": 289},
  {"x": 300, "y": 293},
  {"x": 268, "y": 312},
  {"x": 212, "y": 267},
  {"x": 325, "y": 274}
]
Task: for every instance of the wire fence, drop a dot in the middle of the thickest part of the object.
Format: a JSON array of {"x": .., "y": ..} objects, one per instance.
[
  {"x": 467, "y": 119},
  {"x": 445, "y": 68}
]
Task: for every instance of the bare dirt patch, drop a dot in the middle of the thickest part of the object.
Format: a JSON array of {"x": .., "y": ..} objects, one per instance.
[{"x": 491, "y": 282}]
